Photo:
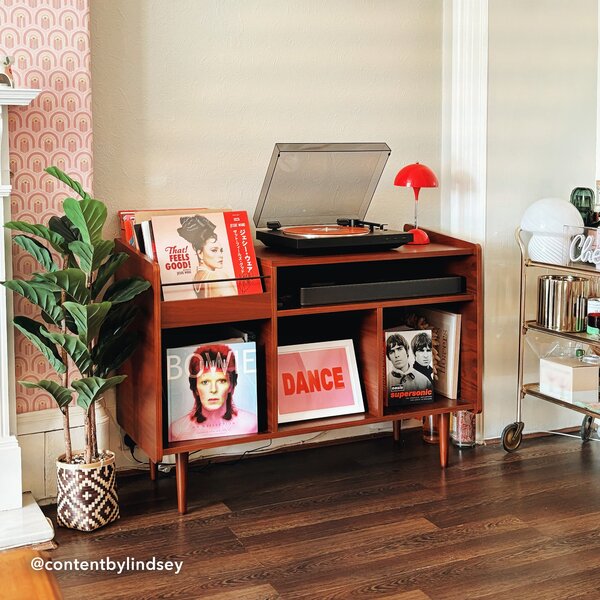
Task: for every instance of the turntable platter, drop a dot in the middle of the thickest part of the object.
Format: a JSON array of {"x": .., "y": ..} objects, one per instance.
[{"x": 319, "y": 231}]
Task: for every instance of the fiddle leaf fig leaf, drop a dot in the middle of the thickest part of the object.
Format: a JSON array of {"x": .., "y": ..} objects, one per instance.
[
  {"x": 126, "y": 289},
  {"x": 78, "y": 313},
  {"x": 72, "y": 281},
  {"x": 91, "y": 255},
  {"x": 117, "y": 321},
  {"x": 111, "y": 354},
  {"x": 64, "y": 227},
  {"x": 88, "y": 216},
  {"x": 39, "y": 294},
  {"x": 84, "y": 253},
  {"x": 106, "y": 271},
  {"x": 88, "y": 318},
  {"x": 62, "y": 176},
  {"x": 102, "y": 250},
  {"x": 61, "y": 395},
  {"x": 90, "y": 389},
  {"x": 37, "y": 250},
  {"x": 74, "y": 347},
  {"x": 55, "y": 240},
  {"x": 36, "y": 333}
]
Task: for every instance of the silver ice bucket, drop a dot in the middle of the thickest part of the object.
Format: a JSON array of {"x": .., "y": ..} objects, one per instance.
[{"x": 562, "y": 302}]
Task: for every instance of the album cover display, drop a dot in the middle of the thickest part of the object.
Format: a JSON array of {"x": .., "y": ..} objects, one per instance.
[
  {"x": 409, "y": 367},
  {"x": 211, "y": 390},
  {"x": 318, "y": 380},
  {"x": 212, "y": 252},
  {"x": 130, "y": 217}
]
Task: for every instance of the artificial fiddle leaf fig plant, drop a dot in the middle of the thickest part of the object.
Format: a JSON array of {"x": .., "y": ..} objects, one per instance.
[{"x": 82, "y": 330}]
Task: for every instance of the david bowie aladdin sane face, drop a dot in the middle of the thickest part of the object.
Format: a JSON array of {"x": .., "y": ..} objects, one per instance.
[
  {"x": 213, "y": 387},
  {"x": 211, "y": 254}
]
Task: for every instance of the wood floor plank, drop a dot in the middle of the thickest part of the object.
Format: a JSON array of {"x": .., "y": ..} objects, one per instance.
[
  {"x": 501, "y": 577},
  {"x": 270, "y": 554},
  {"x": 259, "y": 592},
  {"x": 581, "y": 584},
  {"x": 328, "y": 508},
  {"x": 413, "y": 595},
  {"x": 581, "y": 522}
]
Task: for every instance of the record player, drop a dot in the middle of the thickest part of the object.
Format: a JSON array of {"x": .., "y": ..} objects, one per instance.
[{"x": 315, "y": 198}]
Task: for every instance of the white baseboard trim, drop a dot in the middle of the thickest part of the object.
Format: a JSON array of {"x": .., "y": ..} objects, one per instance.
[
  {"x": 51, "y": 419},
  {"x": 10, "y": 467}
]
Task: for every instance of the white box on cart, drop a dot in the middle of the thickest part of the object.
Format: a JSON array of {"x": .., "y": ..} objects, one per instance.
[{"x": 568, "y": 379}]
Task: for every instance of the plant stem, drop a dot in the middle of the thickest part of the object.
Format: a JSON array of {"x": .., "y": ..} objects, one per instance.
[
  {"x": 90, "y": 415},
  {"x": 67, "y": 434},
  {"x": 94, "y": 431},
  {"x": 87, "y": 427},
  {"x": 65, "y": 381}
]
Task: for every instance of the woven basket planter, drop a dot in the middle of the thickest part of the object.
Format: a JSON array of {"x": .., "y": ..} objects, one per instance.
[{"x": 87, "y": 493}]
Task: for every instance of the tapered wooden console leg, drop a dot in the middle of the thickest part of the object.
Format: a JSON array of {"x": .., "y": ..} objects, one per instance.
[
  {"x": 444, "y": 426},
  {"x": 397, "y": 431},
  {"x": 181, "y": 466},
  {"x": 153, "y": 471}
]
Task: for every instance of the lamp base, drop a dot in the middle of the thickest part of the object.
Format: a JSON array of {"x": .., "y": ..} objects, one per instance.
[{"x": 420, "y": 238}]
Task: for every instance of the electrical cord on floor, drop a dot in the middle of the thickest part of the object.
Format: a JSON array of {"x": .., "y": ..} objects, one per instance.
[
  {"x": 259, "y": 450},
  {"x": 132, "y": 448},
  {"x": 251, "y": 451},
  {"x": 211, "y": 460}
]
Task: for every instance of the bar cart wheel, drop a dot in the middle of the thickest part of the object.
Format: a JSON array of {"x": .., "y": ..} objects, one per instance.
[
  {"x": 587, "y": 428},
  {"x": 512, "y": 436}
]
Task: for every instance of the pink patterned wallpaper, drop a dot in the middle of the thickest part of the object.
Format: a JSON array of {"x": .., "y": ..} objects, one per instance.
[{"x": 50, "y": 42}]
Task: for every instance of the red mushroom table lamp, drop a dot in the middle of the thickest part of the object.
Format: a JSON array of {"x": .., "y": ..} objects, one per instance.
[{"x": 416, "y": 176}]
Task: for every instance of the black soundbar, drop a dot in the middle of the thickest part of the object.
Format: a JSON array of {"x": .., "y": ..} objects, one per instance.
[{"x": 380, "y": 290}]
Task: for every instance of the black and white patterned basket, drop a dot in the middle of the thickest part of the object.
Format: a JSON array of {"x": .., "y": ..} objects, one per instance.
[{"x": 87, "y": 494}]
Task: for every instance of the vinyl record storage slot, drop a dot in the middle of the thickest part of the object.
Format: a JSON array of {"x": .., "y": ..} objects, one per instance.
[
  {"x": 276, "y": 318},
  {"x": 197, "y": 335}
]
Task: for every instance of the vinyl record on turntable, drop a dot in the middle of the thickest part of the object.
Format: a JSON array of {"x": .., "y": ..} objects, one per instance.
[
  {"x": 316, "y": 231},
  {"x": 315, "y": 198}
]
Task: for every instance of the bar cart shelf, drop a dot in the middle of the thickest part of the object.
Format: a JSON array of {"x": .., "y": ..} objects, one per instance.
[{"x": 512, "y": 435}]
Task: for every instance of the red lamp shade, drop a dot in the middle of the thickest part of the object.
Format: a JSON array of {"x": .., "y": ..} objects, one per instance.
[{"x": 416, "y": 176}]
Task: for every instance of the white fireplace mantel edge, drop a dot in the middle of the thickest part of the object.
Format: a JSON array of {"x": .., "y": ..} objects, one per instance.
[
  {"x": 17, "y": 96},
  {"x": 21, "y": 520}
]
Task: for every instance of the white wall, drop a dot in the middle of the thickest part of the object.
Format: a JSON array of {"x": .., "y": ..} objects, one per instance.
[
  {"x": 189, "y": 97},
  {"x": 541, "y": 142}
]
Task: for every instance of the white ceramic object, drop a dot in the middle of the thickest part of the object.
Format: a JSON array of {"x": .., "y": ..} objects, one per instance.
[
  {"x": 547, "y": 248},
  {"x": 546, "y": 220}
]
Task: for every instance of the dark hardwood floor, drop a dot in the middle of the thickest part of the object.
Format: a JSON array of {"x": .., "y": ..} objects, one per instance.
[{"x": 367, "y": 519}]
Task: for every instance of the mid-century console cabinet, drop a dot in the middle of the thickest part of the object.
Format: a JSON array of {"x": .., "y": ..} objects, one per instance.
[{"x": 278, "y": 320}]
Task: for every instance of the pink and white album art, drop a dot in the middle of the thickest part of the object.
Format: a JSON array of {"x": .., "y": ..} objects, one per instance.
[{"x": 318, "y": 380}]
